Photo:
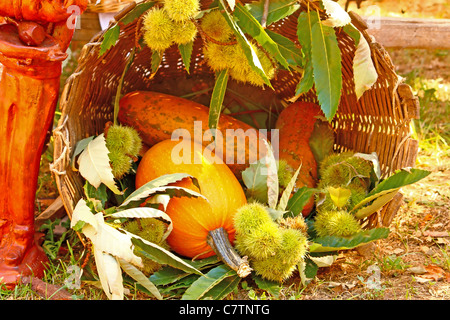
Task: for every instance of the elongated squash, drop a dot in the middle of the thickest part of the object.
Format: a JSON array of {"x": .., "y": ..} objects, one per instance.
[
  {"x": 295, "y": 125},
  {"x": 158, "y": 116}
]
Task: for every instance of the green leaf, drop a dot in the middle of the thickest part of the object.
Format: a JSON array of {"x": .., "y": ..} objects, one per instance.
[
  {"x": 200, "y": 287},
  {"x": 256, "y": 181},
  {"x": 79, "y": 147},
  {"x": 96, "y": 194},
  {"x": 272, "y": 287},
  {"x": 380, "y": 200},
  {"x": 389, "y": 186},
  {"x": 277, "y": 10},
  {"x": 354, "y": 33},
  {"x": 242, "y": 40},
  {"x": 252, "y": 27},
  {"x": 136, "y": 12},
  {"x": 119, "y": 87},
  {"x": 186, "y": 53},
  {"x": 217, "y": 97},
  {"x": 305, "y": 22},
  {"x": 167, "y": 274},
  {"x": 307, "y": 81},
  {"x": 109, "y": 39},
  {"x": 223, "y": 288},
  {"x": 299, "y": 200},
  {"x": 290, "y": 51},
  {"x": 307, "y": 270},
  {"x": 156, "y": 61},
  {"x": 162, "y": 256},
  {"x": 333, "y": 243},
  {"x": 326, "y": 60}
]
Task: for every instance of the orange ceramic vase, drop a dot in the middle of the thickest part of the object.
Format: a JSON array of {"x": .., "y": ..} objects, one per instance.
[{"x": 29, "y": 88}]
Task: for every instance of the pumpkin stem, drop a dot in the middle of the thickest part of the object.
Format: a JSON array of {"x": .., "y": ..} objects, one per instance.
[{"x": 219, "y": 242}]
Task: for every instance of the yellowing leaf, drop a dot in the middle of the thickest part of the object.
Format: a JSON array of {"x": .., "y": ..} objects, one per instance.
[
  {"x": 338, "y": 17},
  {"x": 339, "y": 196},
  {"x": 94, "y": 164},
  {"x": 365, "y": 74}
]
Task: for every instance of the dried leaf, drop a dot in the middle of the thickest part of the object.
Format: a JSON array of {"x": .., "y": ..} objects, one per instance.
[
  {"x": 146, "y": 212},
  {"x": 141, "y": 278},
  {"x": 365, "y": 74},
  {"x": 110, "y": 274},
  {"x": 338, "y": 17},
  {"x": 94, "y": 164}
]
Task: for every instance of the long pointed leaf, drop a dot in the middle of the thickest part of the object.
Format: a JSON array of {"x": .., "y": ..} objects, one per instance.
[
  {"x": 278, "y": 10},
  {"x": 137, "y": 275},
  {"x": 388, "y": 188},
  {"x": 223, "y": 288},
  {"x": 146, "y": 212},
  {"x": 326, "y": 60},
  {"x": 186, "y": 53},
  {"x": 252, "y": 27},
  {"x": 217, "y": 97},
  {"x": 333, "y": 243},
  {"x": 305, "y": 22},
  {"x": 153, "y": 186},
  {"x": 290, "y": 51},
  {"x": 203, "y": 284},
  {"x": 282, "y": 205},
  {"x": 163, "y": 256},
  {"x": 242, "y": 40}
]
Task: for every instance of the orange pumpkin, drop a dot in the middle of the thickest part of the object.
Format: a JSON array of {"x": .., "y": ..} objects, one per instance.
[{"x": 194, "y": 219}]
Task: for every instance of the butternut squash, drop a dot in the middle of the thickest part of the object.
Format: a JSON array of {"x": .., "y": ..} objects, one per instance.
[
  {"x": 295, "y": 125},
  {"x": 156, "y": 116}
]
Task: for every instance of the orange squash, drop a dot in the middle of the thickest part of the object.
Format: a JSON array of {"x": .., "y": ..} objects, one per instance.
[
  {"x": 157, "y": 115},
  {"x": 295, "y": 124},
  {"x": 196, "y": 222}
]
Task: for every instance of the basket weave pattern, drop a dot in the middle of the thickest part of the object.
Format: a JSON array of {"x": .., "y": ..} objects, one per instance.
[{"x": 378, "y": 122}]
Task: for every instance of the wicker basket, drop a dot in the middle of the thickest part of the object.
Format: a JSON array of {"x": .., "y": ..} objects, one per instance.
[{"x": 378, "y": 122}]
